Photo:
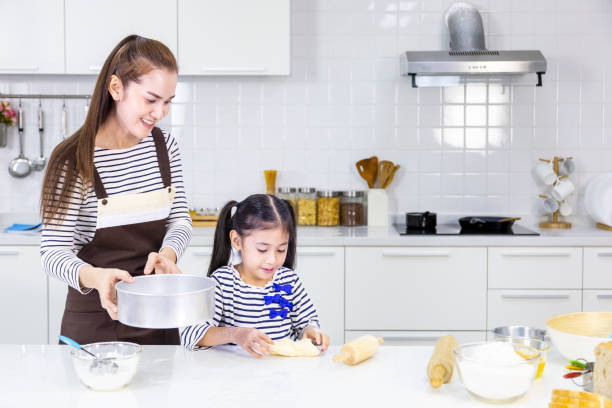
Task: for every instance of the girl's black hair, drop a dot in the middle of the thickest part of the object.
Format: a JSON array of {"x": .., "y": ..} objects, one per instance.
[{"x": 256, "y": 212}]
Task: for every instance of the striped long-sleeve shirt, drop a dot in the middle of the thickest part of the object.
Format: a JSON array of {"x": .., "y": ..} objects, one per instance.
[
  {"x": 238, "y": 304},
  {"x": 131, "y": 170}
]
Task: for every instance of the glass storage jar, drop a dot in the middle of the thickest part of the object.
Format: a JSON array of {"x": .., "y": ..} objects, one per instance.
[
  {"x": 307, "y": 206},
  {"x": 289, "y": 194},
  {"x": 352, "y": 208},
  {"x": 328, "y": 208}
]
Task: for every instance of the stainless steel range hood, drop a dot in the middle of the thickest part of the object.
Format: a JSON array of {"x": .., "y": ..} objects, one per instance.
[{"x": 468, "y": 60}]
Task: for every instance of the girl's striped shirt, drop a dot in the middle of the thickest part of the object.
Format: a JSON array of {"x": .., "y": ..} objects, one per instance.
[
  {"x": 238, "y": 304},
  {"x": 123, "y": 171}
]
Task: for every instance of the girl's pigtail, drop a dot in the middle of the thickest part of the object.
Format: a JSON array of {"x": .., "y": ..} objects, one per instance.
[
  {"x": 222, "y": 246},
  {"x": 290, "y": 223}
]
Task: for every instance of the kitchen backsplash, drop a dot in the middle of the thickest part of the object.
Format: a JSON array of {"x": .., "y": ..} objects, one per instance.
[{"x": 461, "y": 150}]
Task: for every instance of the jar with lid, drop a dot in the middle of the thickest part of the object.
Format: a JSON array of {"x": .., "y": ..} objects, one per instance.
[
  {"x": 352, "y": 208},
  {"x": 328, "y": 208},
  {"x": 289, "y": 194},
  {"x": 307, "y": 206}
]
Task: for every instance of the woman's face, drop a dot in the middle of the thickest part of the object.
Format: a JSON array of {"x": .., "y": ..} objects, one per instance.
[
  {"x": 263, "y": 252},
  {"x": 141, "y": 105}
]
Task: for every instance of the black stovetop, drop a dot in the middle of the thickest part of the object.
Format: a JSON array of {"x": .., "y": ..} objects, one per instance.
[{"x": 455, "y": 229}]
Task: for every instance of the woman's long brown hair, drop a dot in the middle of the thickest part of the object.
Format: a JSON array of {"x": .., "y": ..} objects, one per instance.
[{"x": 133, "y": 57}]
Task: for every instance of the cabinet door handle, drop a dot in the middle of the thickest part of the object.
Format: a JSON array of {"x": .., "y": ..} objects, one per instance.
[
  {"x": 22, "y": 68},
  {"x": 535, "y": 296},
  {"x": 604, "y": 254},
  {"x": 315, "y": 252},
  {"x": 8, "y": 252},
  {"x": 245, "y": 70},
  {"x": 536, "y": 254},
  {"x": 95, "y": 68},
  {"x": 203, "y": 252},
  {"x": 411, "y": 338},
  {"x": 415, "y": 254},
  {"x": 604, "y": 296}
]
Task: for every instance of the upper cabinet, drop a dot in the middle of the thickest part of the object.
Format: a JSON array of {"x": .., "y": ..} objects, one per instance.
[
  {"x": 34, "y": 37},
  {"x": 234, "y": 37},
  {"x": 94, "y": 27}
]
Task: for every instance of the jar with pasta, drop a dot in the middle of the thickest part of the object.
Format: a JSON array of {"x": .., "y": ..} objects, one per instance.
[
  {"x": 328, "y": 208},
  {"x": 289, "y": 194},
  {"x": 307, "y": 206}
]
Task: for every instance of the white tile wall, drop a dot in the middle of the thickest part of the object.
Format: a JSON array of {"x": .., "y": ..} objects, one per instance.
[{"x": 462, "y": 150}]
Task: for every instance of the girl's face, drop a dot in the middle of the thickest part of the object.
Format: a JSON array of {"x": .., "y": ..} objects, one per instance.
[
  {"x": 263, "y": 252},
  {"x": 141, "y": 105}
]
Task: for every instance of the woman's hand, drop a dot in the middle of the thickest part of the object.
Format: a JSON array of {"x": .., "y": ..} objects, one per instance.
[
  {"x": 252, "y": 340},
  {"x": 104, "y": 280},
  {"x": 316, "y": 336},
  {"x": 162, "y": 262}
]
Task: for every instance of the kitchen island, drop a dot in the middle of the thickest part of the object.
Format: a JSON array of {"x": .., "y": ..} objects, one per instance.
[{"x": 170, "y": 376}]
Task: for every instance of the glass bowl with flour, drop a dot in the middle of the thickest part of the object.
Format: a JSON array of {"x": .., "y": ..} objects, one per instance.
[
  {"x": 120, "y": 363},
  {"x": 496, "y": 371}
]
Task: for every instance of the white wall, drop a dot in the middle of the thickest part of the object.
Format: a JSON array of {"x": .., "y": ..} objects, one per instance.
[{"x": 461, "y": 150}]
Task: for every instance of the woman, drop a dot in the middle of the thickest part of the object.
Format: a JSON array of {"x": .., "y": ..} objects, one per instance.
[{"x": 113, "y": 201}]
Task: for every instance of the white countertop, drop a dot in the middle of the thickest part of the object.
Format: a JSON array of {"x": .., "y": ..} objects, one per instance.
[
  {"x": 578, "y": 235},
  {"x": 170, "y": 376}
]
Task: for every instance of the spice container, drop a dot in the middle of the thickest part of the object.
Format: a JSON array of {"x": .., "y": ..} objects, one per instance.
[
  {"x": 307, "y": 206},
  {"x": 352, "y": 208},
  {"x": 328, "y": 208},
  {"x": 289, "y": 194}
]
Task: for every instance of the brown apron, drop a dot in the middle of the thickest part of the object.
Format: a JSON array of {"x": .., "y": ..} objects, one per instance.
[{"x": 123, "y": 247}]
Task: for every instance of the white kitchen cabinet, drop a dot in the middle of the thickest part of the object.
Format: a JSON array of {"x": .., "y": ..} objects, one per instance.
[
  {"x": 529, "y": 307},
  {"x": 597, "y": 301},
  {"x": 416, "y": 288},
  {"x": 416, "y": 338},
  {"x": 597, "y": 268},
  {"x": 23, "y": 305},
  {"x": 94, "y": 27},
  {"x": 321, "y": 270},
  {"x": 33, "y": 34},
  {"x": 535, "y": 268},
  {"x": 195, "y": 260},
  {"x": 57, "y": 302},
  {"x": 234, "y": 37}
]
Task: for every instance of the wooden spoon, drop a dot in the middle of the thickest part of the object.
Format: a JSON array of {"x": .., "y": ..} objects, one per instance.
[
  {"x": 390, "y": 178},
  {"x": 368, "y": 169},
  {"x": 385, "y": 168}
]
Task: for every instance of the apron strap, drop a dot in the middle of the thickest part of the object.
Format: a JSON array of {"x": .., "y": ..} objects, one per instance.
[
  {"x": 98, "y": 186},
  {"x": 163, "y": 160}
]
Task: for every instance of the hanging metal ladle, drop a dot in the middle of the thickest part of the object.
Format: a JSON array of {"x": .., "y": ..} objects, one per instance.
[
  {"x": 20, "y": 166},
  {"x": 39, "y": 162}
]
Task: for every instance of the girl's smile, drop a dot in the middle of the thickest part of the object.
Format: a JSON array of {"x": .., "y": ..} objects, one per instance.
[{"x": 263, "y": 252}]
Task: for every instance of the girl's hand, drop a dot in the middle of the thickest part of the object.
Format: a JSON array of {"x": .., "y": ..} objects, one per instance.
[
  {"x": 104, "y": 280},
  {"x": 252, "y": 340},
  {"x": 316, "y": 336},
  {"x": 161, "y": 262}
]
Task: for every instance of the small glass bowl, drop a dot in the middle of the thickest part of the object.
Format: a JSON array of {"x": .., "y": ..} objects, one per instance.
[
  {"x": 495, "y": 381},
  {"x": 125, "y": 355}
]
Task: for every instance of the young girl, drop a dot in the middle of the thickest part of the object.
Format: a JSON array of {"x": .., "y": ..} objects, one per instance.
[{"x": 258, "y": 298}]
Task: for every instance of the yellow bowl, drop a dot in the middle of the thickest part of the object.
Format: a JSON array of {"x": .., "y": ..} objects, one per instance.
[{"x": 575, "y": 335}]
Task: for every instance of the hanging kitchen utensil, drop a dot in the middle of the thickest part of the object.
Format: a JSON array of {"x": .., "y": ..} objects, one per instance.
[
  {"x": 64, "y": 120},
  {"x": 486, "y": 224},
  {"x": 39, "y": 162},
  {"x": 20, "y": 166},
  {"x": 368, "y": 169}
]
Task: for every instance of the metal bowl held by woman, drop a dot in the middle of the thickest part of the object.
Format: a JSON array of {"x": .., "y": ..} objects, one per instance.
[{"x": 165, "y": 301}]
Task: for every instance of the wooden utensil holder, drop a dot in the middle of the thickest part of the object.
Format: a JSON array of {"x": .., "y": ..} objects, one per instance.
[{"x": 555, "y": 223}]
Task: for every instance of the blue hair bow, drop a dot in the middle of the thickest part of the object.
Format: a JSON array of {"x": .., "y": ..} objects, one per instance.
[
  {"x": 280, "y": 300},
  {"x": 285, "y": 288},
  {"x": 280, "y": 312}
]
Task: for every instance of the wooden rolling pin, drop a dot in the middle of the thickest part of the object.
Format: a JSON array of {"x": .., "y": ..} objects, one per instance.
[
  {"x": 354, "y": 352},
  {"x": 440, "y": 367}
]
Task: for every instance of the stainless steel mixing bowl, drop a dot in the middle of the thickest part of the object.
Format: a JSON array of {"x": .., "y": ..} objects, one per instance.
[{"x": 165, "y": 301}]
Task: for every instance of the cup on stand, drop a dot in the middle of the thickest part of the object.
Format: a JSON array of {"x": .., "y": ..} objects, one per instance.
[
  {"x": 545, "y": 173},
  {"x": 566, "y": 209},
  {"x": 547, "y": 205},
  {"x": 562, "y": 189},
  {"x": 567, "y": 167}
]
